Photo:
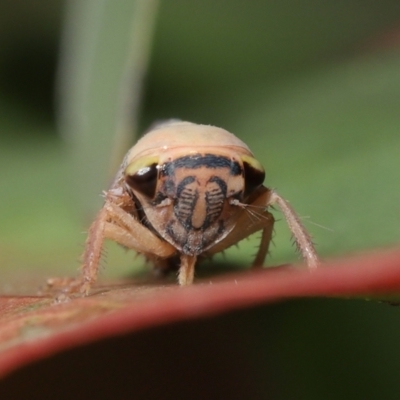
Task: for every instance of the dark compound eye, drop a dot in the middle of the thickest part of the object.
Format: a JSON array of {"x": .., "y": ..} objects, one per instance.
[
  {"x": 254, "y": 174},
  {"x": 142, "y": 176}
]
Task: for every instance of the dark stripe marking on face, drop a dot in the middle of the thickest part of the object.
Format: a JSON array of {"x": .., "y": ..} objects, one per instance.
[
  {"x": 198, "y": 160},
  {"x": 188, "y": 202}
]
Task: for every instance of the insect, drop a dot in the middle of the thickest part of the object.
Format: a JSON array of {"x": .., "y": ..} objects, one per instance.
[{"x": 185, "y": 192}]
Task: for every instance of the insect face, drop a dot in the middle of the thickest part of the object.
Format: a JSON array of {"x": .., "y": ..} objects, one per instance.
[{"x": 187, "y": 192}]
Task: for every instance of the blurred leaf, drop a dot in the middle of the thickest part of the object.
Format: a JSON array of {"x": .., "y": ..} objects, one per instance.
[{"x": 103, "y": 62}]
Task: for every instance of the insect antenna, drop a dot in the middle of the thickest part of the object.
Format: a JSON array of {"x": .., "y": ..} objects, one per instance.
[
  {"x": 252, "y": 210},
  {"x": 308, "y": 220}
]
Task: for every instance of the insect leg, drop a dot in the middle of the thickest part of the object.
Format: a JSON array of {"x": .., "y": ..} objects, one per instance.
[
  {"x": 301, "y": 237},
  {"x": 248, "y": 223},
  {"x": 90, "y": 260},
  {"x": 264, "y": 245},
  {"x": 114, "y": 223},
  {"x": 126, "y": 230},
  {"x": 92, "y": 254},
  {"x": 186, "y": 270}
]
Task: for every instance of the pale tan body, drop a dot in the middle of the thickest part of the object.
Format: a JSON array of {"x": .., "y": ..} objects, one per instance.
[{"x": 196, "y": 209}]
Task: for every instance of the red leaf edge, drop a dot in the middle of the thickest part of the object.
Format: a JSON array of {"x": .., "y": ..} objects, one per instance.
[{"x": 373, "y": 274}]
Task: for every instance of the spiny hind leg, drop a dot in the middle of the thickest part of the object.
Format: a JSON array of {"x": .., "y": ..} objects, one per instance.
[
  {"x": 91, "y": 259},
  {"x": 301, "y": 236}
]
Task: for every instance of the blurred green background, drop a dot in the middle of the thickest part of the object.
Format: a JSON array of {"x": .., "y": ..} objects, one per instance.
[{"x": 313, "y": 87}]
